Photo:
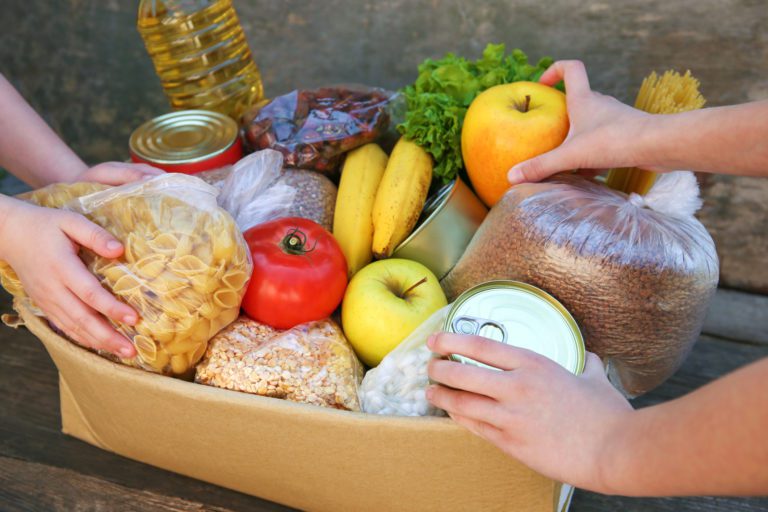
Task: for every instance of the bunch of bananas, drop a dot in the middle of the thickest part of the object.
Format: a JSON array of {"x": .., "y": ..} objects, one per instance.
[{"x": 380, "y": 200}]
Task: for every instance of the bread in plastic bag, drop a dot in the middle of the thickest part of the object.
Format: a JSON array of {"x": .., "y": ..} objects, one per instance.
[
  {"x": 636, "y": 272},
  {"x": 397, "y": 385},
  {"x": 313, "y": 128},
  {"x": 184, "y": 270},
  {"x": 311, "y": 363}
]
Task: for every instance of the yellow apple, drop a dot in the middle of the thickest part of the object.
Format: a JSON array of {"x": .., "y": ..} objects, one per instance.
[
  {"x": 508, "y": 124},
  {"x": 385, "y": 302}
]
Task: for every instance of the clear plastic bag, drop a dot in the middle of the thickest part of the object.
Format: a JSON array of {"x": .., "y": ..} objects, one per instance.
[
  {"x": 293, "y": 193},
  {"x": 636, "y": 272},
  {"x": 184, "y": 270},
  {"x": 316, "y": 197},
  {"x": 52, "y": 196},
  {"x": 396, "y": 386},
  {"x": 313, "y": 128},
  {"x": 252, "y": 194},
  {"x": 311, "y": 363}
]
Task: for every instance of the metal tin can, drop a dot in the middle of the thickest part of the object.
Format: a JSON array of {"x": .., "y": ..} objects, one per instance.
[
  {"x": 187, "y": 141},
  {"x": 448, "y": 223},
  {"x": 520, "y": 315}
]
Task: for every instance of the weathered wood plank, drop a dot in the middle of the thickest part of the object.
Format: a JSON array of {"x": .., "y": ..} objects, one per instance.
[
  {"x": 738, "y": 316},
  {"x": 66, "y": 490},
  {"x": 710, "y": 359},
  {"x": 29, "y": 432},
  {"x": 736, "y": 213},
  {"x": 588, "y": 502},
  {"x": 30, "y": 429}
]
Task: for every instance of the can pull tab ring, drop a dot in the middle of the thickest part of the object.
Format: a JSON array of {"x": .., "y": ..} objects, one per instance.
[{"x": 474, "y": 326}]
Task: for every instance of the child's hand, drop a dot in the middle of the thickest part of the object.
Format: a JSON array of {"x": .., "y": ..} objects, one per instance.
[
  {"x": 604, "y": 132},
  {"x": 117, "y": 173},
  {"x": 41, "y": 245},
  {"x": 559, "y": 424}
]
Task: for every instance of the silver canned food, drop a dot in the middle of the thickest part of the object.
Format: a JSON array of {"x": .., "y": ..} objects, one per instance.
[
  {"x": 448, "y": 223},
  {"x": 520, "y": 315}
]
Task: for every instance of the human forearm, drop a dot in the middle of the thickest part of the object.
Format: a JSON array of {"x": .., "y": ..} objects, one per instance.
[
  {"x": 728, "y": 140},
  {"x": 712, "y": 441},
  {"x": 29, "y": 148},
  {"x": 606, "y": 134}
]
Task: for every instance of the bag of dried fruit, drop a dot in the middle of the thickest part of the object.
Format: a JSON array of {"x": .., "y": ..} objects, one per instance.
[
  {"x": 313, "y": 128},
  {"x": 637, "y": 272}
]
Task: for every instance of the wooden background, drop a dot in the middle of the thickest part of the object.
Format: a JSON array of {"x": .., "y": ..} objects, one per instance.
[{"x": 82, "y": 64}]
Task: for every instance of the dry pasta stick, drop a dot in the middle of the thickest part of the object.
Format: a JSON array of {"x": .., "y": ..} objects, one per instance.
[{"x": 670, "y": 93}]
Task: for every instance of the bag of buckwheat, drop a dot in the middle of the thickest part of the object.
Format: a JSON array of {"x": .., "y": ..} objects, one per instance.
[
  {"x": 637, "y": 272},
  {"x": 311, "y": 363}
]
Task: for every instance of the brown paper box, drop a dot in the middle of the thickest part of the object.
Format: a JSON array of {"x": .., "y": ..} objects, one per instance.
[{"x": 303, "y": 456}]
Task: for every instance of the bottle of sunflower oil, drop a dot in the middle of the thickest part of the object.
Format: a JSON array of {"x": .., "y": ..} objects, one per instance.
[{"x": 200, "y": 54}]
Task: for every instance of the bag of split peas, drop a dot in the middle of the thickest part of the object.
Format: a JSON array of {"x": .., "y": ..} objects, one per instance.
[{"x": 184, "y": 270}]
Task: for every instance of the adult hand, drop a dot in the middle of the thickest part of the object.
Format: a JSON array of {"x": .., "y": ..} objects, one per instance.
[
  {"x": 42, "y": 245},
  {"x": 559, "y": 424},
  {"x": 604, "y": 133},
  {"x": 117, "y": 173}
]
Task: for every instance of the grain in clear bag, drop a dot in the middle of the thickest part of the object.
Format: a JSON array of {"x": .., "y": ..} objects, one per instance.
[
  {"x": 396, "y": 387},
  {"x": 257, "y": 189},
  {"x": 311, "y": 363},
  {"x": 636, "y": 272}
]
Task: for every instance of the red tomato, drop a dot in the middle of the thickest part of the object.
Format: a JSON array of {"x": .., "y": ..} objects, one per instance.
[{"x": 299, "y": 273}]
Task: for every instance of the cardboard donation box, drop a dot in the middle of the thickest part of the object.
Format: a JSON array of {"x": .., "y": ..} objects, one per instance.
[{"x": 299, "y": 455}]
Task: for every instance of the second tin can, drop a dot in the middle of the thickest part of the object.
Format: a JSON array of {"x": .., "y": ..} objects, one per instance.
[
  {"x": 447, "y": 225},
  {"x": 520, "y": 315},
  {"x": 188, "y": 141}
]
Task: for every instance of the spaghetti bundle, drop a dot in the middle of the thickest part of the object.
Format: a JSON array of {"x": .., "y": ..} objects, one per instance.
[{"x": 670, "y": 93}]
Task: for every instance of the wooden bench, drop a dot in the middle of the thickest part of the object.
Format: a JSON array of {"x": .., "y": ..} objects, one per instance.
[{"x": 42, "y": 469}]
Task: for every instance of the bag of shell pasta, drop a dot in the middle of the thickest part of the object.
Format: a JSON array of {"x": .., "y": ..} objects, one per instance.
[
  {"x": 637, "y": 272},
  {"x": 184, "y": 270},
  {"x": 397, "y": 385}
]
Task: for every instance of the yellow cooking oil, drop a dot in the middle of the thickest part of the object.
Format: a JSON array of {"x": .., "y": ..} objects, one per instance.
[{"x": 200, "y": 54}]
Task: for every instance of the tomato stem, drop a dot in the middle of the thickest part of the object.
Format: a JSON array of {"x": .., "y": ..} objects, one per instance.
[
  {"x": 295, "y": 242},
  {"x": 406, "y": 292}
]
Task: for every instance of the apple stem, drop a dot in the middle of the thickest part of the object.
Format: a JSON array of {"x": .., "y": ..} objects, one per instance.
[
  {"x": 522, "y": 107},
  {"x": 423, "y": 280}
]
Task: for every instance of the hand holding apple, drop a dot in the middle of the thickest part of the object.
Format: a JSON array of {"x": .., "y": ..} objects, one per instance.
[
  {"x": 385, "y": 302},
  {"x": 508, "y": 124},
  {"x": 604, "y": 133}
]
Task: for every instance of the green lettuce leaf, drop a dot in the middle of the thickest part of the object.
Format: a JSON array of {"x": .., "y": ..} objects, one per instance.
[{"x": 438, "y": 100}]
